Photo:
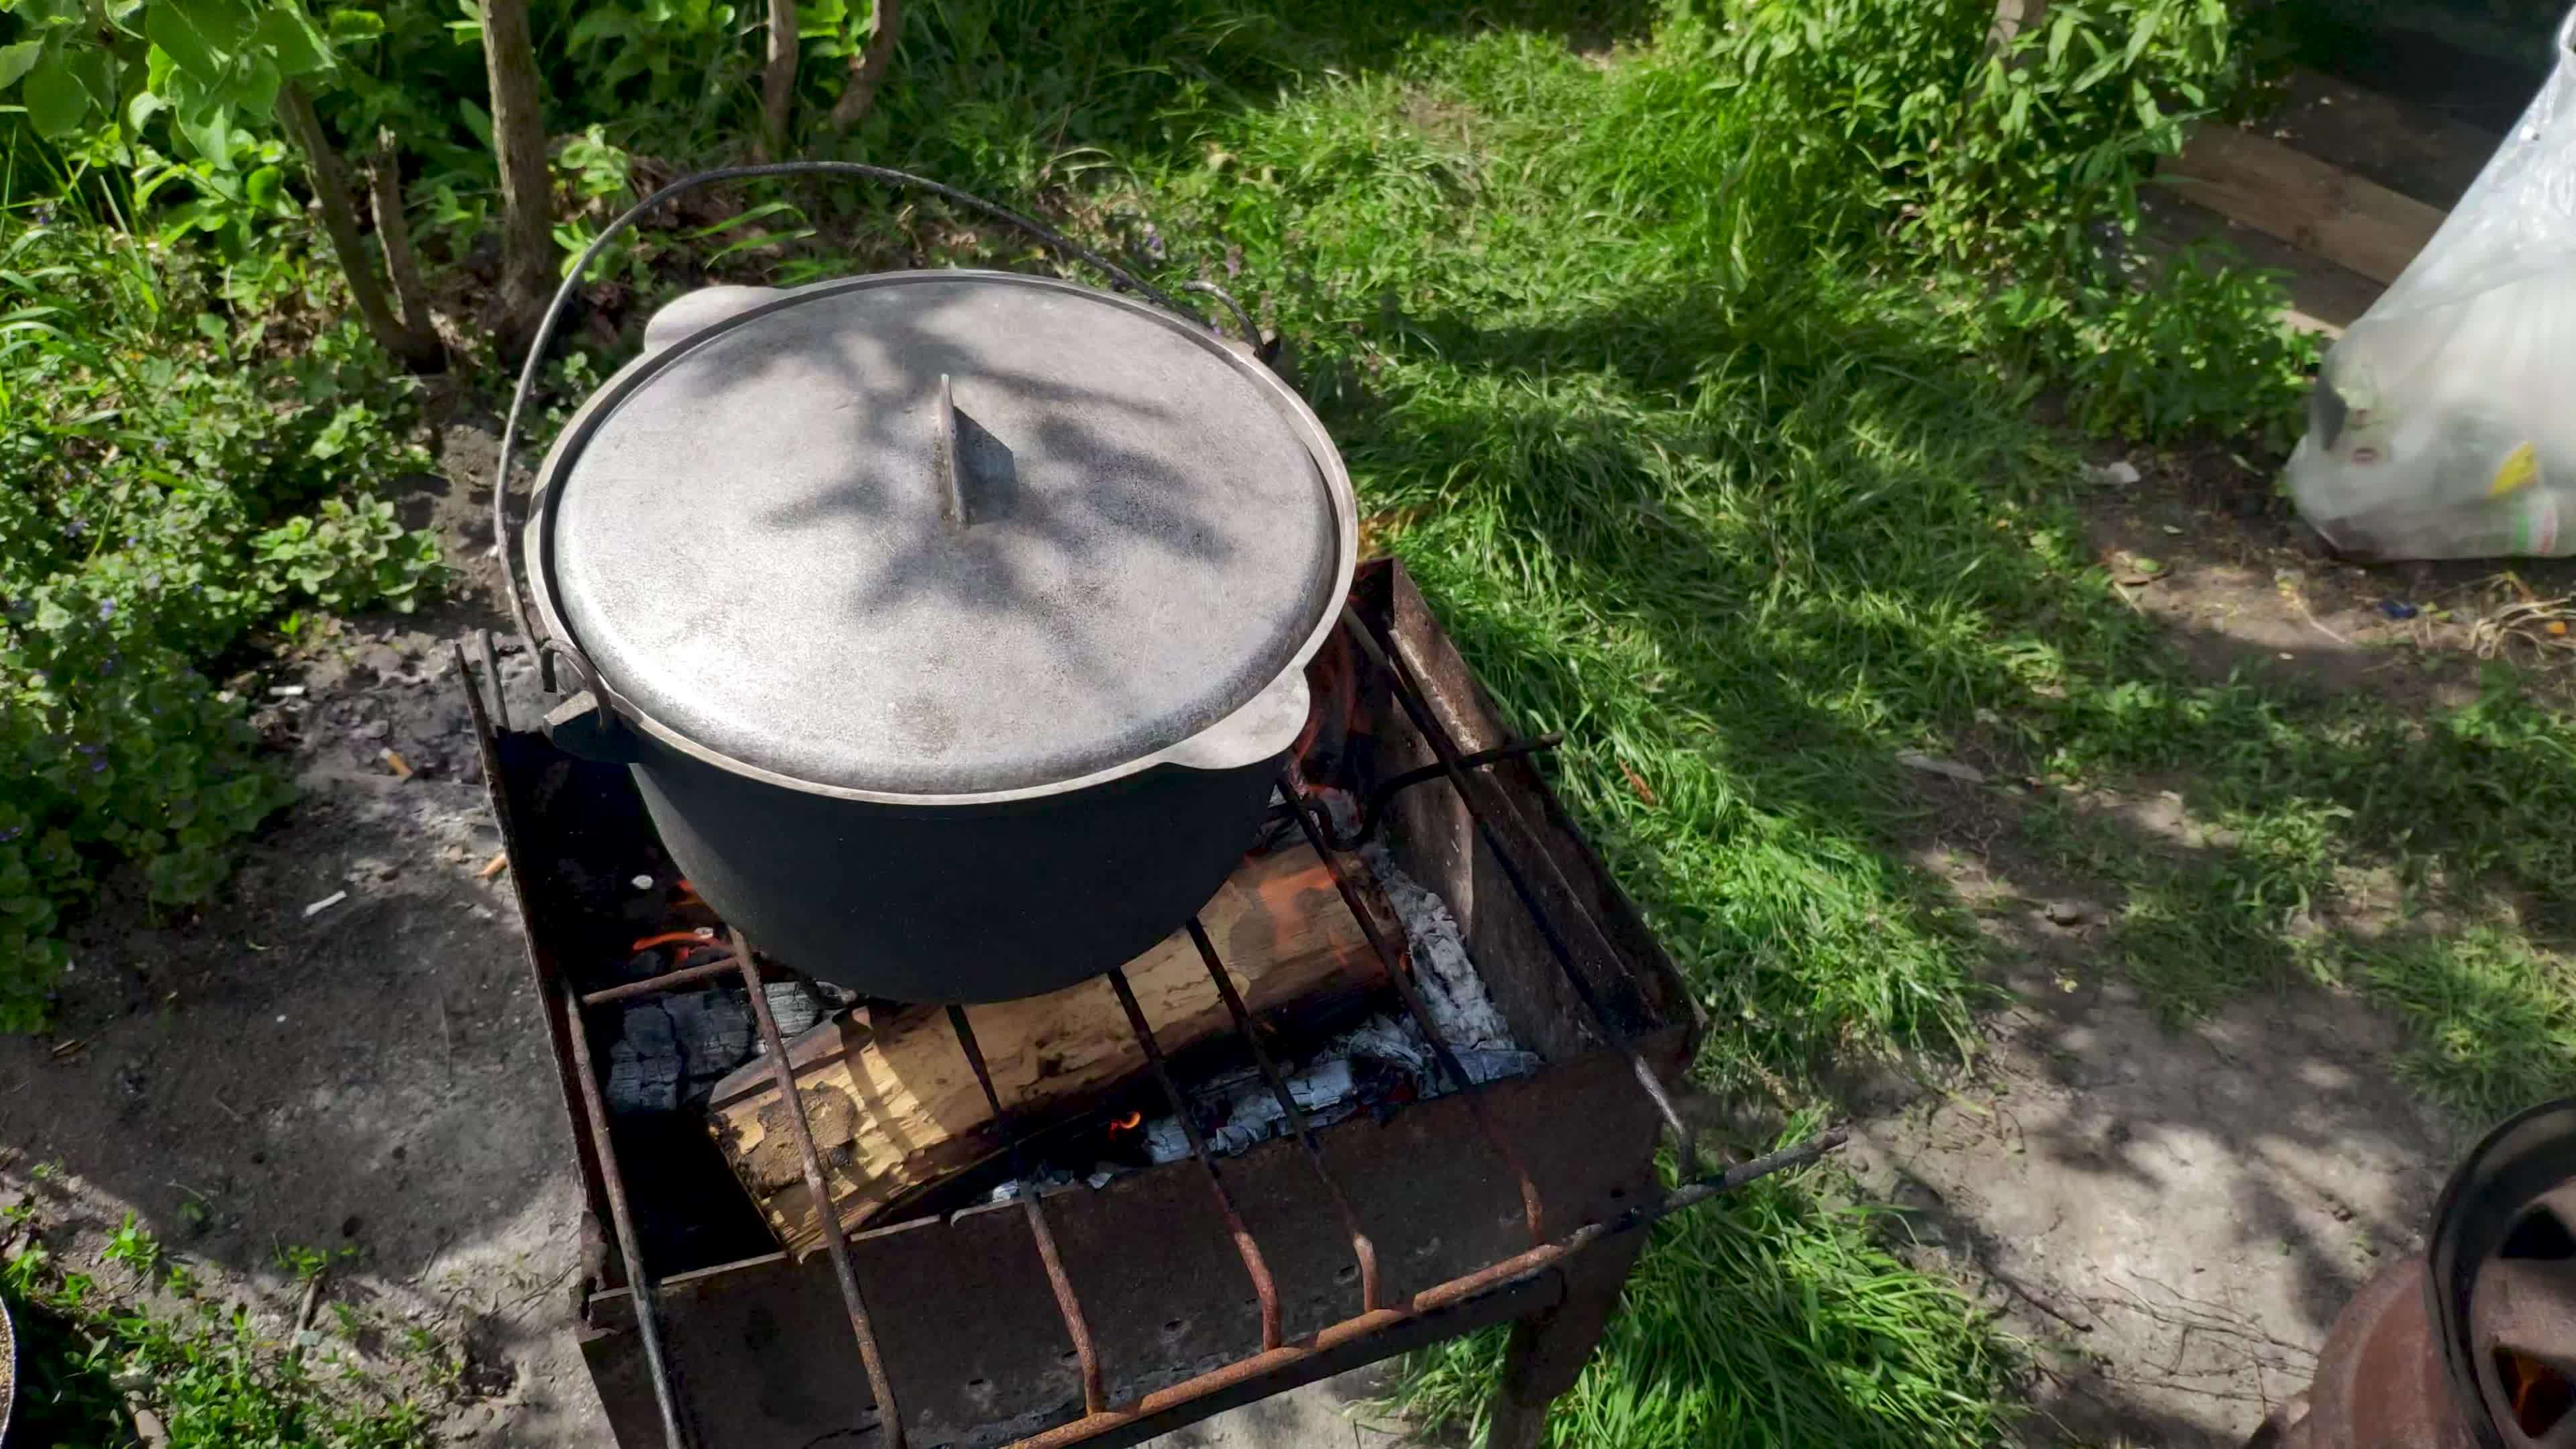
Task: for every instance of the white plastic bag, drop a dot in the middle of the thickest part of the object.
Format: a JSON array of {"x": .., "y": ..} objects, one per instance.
[{"x": 2444, "y": 422}]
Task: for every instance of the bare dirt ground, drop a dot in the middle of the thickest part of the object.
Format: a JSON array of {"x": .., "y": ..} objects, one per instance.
[
  {"x": 2207, "y": 549},
  {"x": 2170, "y": 1218},
  {"x": 368, "y": 1076}
]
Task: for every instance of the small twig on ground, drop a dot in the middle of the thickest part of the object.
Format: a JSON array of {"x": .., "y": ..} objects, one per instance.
[
  {"x": 312, "y": 1303},
  {"x": 2183, "y": 1388},
  {"x": 2016, "y": 1288},
  {"x": 148, "y": 1429},
  {"x": 307, "y": 1310},
  {"x": 227, "y": 1109},
  {"x": 533, "y": 1294},
  {"x": 2299, "y": 600},
  {"x": 2187, "y": 1321},
  {"x": 2232, "y": 1321},
  {"x": 432, "y": 1260},
  {"x": 2544, "y": 623}
]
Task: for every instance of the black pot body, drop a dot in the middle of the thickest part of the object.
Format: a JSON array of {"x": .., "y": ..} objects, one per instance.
[{"x": 929, "y": 903}]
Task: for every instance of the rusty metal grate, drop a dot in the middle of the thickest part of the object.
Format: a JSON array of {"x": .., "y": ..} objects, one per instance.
[{"x": 1553, "y": 908}]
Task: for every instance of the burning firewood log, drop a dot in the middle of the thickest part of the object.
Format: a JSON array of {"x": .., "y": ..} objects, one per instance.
[{"x": 896, "y": 1108}]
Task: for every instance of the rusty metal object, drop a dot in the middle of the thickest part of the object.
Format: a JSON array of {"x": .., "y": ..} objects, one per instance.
[
  {"x": 835, "y": 1239},
  {"x": 1399, "y": 974},
  {"x": 667, "y": 981},
  {"x": 991, "y": 1342},
  {"x": 2522, "y": 1318},
  {"x": 1363, "y": 1252},
  {"x": 1068, "y": 1304},
  {"x": 639, "y": 1279},
  {"x": 8, "y": 1369},
  {"x": 2503, "y": 1266},
  {"x": 2473, "y": 1344},
  {"x": 1263, "y": 1287},
  {"x": 1541, "y": 886},
  {"x": 2379, "y": 1382},
  {"x": 1381, "y": 795}
]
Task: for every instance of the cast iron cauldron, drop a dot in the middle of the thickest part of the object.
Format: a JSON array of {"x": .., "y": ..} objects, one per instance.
[{"x": 953, "y": 623}]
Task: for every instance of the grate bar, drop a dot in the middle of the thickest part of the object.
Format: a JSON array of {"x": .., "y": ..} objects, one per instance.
[
  {"x": 1363, "y": 1252},
  {"x": 1492, "y": 1278},
  {"x": 621, "y": 1218},
  {"x": 667, "y": 981},
  {"x": 1067, "y": 1305},
  {"x": 1253, "y": 1266},
  {"x": 1373, "y": 814},
  {"x": 835, "y": 1240},
  {"x": 1399, "y": 974},
  {"x": 1409, "y": 694}
]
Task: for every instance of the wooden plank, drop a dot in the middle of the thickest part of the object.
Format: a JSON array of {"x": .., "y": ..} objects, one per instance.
[
  {"x": 2311, "y": 204},
  {"x": 2412, "y": 150},
  {"x": 2324, "y": 298},
  {"x": 895, "y": 1108}
]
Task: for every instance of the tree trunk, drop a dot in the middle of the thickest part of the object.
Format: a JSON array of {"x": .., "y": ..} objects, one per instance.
[
  {"x": 778, "y": 78},
  {"x": 2012, "y": 17},
  {"x": 868, "y": 68},
  {"x": 416, "y": 348},
  {"x": 527, "y": 198},
  {"x": 393, "y": 233}
]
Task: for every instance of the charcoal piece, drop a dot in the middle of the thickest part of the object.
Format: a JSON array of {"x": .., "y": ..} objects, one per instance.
[
  {"x": 795, "y": 1004},
  {"x": 715, "y": 1034},
  {"x": 644, "y": 1062},
  {"x": 671, "y": 1050}
]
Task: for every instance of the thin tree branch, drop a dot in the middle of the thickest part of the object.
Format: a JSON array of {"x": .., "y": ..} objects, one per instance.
[
  {"x": 419, "y": 351},
  {"x": 527, "y": 190},
  {"x": 393, "y": 233},
  {"x": 868, "y": 68},
  {"x": 778, "y": 77}
]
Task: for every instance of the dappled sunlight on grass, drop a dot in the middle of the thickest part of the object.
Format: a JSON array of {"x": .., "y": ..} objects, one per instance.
[{"x": 1766, "y": 1319}]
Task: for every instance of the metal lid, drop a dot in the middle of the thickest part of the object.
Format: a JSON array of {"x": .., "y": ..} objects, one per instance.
[{"x": 774, "y": 541}]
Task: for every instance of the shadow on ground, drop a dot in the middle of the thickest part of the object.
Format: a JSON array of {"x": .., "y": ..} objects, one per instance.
[
  {"x": 2170, "y": 1211},
  {"x": 341, "y": 1054}
]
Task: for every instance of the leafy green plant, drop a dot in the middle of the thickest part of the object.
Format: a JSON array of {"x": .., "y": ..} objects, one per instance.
[
  {"x": 133, "y": 1246},
  {"x": 2016, "y": 171},
  {"x": 658, "y": 54},
  {"x": 2201, "y": 345},
  {"x": 215, "y": 1382},
  {"x": 166, "y": 484}
]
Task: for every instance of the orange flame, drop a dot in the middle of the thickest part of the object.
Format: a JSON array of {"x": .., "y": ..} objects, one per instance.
[
  {"x": 1128, "y": 1123},
  {"x": 668, "y": 938}
]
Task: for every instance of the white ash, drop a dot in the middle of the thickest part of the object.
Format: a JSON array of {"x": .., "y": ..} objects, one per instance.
[
  {"x": 1327, "y": 1091},
  {"x": 1452, "y": 993},
  {"x": 1237, "y": 1108}
]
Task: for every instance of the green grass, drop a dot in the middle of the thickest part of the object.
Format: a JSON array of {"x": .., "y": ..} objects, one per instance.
[
  {"x": 203, "y": 1370},
  {"x": 1769, "y": 1319},
  {"x": 1702, "y": 471},
  {"x": 1744, "y": 518}
]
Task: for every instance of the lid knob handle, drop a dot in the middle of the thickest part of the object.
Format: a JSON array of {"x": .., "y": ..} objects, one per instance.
[{"x": 952, "y": 472}]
